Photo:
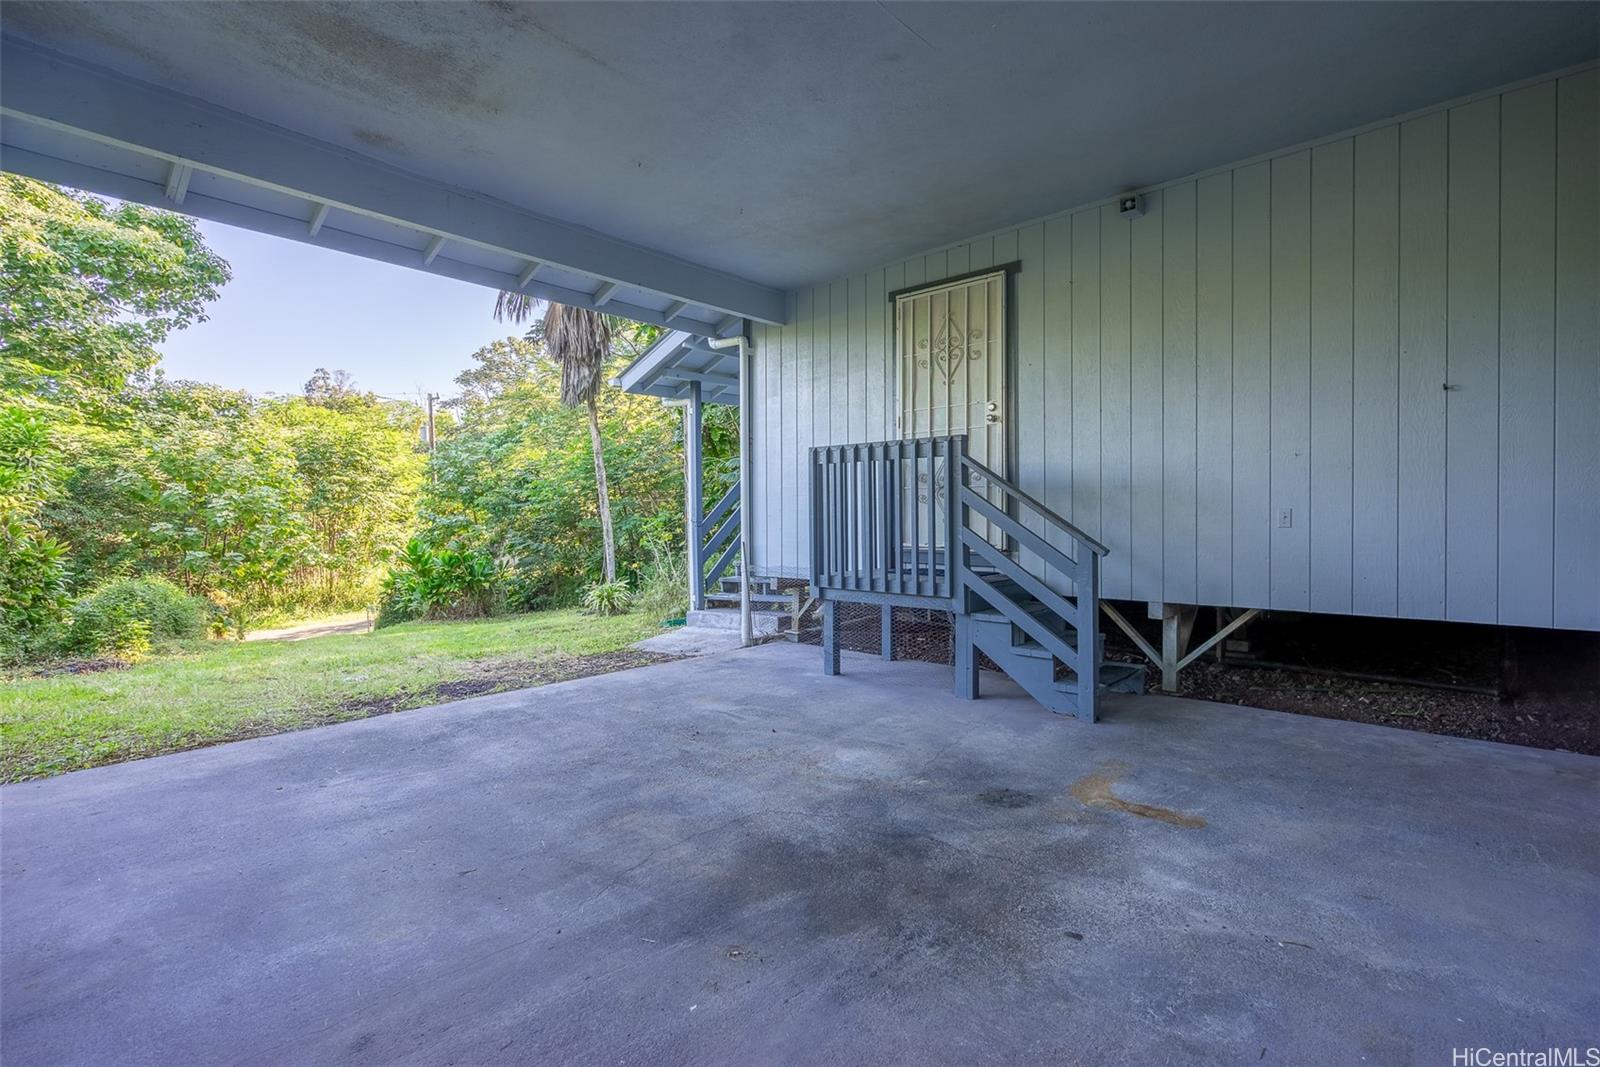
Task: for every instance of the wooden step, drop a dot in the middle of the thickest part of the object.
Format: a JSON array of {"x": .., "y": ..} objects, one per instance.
[
  {"x": 1029, "y": 647},
  {"x": 762, "y": 585},
  {"x": 755, "y": 598},
  {"x": 1017, "y": 639},
  {"x": 763, "y": 623},
  {"x": 1113, "y": 676},
  {"x": 1039, "y": 611}
]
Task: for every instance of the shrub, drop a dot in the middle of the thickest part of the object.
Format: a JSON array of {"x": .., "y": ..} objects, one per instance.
[
  {"x": 33, "y": 565},
  {"x": 443, "y": 584},
  {"x": 128, "y": 616},
  {"x": 664, "y": 590},
  {"x": 608, "y": 598},
  {"x": 396, "y": 605},
  {"x": 33, "y": 587},
  {"x": 533, "y": 589}
]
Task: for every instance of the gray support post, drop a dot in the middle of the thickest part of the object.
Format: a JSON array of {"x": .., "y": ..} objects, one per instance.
[
  {"x": 886, "y": 631},
  {"x": 694, "y": 495},
  {"x": 1177, "y": 622},
  {"x": 966, "y": 659},
  {"x": 747, "y": 635},
  {"x": 1088, "y": 625},
  {"x": 830, "y": 637},
  {"x": 1169, "y": 647},
  {"x": 955, "y": 520}
]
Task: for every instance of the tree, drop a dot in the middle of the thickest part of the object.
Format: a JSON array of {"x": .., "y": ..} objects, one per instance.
[
  {"x": 33, "y": 570},
  {"x": 578, "y": 341},
  {"x": 501, "y": 366},
  {"x": 515, "y": 479},
  {"x": 359, "y": 476},
  {"x": 330, "y": 387},
  {"x": 108, "y": 470},
  {"x": 88, "y": 289},
  {"x": 311, "y": 497},
  {"x": 226, "y": 501}
]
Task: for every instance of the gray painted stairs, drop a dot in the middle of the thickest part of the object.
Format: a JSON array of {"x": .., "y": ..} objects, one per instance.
[{"x": 1032, "y": 666}]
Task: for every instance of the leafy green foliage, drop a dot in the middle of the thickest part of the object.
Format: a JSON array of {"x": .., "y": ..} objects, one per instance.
[
  {"x": 126, "y": 617},
  {"x": 360, "y": 475},
  {"x": 608, "y": 598},
  {"x": 273, "y": 507},
  {"x": 515, "y": 477},
  {"x": 664, "y": 584},
  {"x": 29, "y": 459},
  {"x": 331, "y": 388},
  {"x": 88, "y": 289},
  {"x": 265, "y": 507},
  {"x": 227, "y": 512},
  {"x": 268, "y": 507},
  {"x": 443, "y": 584},
  {"x": 33, "y": 566},
  {"x": 500, "y": 366},
  {"x": 33, "y": 588}
]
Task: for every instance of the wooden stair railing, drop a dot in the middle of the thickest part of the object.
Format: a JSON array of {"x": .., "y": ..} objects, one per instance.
[{"x": 921, "y": 523}]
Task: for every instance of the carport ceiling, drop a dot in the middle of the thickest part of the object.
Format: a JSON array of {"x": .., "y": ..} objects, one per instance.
[{"x": 788, "y": 143}]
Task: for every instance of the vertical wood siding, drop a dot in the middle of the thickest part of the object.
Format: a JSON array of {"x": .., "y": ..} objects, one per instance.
[
  {"x": 1360, "y": 378},
  {"x": 1577, "y": 388},
  {"x": 1375, "y": 398}
]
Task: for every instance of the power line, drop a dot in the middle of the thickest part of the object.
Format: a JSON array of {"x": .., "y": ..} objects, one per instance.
[{"x": 419, "y": 396}]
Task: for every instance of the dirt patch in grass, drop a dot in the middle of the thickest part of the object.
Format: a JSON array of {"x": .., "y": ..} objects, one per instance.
[
  {"x": 77, "y": 666},
  {"x": 487, "y": 676},
  {"x": 498, "y": 676}
]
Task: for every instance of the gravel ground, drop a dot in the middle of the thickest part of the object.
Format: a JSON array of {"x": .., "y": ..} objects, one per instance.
[
  {"x": 1571, "y": 722},
  {"x": 1446, "y": 654},
  {"x": 1555, "y": 675}
]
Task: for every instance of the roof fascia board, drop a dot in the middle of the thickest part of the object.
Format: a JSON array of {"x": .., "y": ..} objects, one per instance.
[
  {"x": 56, "y": 90},
  {"x": 153, "y": 194},
  {"x": 653, "y": 359}
]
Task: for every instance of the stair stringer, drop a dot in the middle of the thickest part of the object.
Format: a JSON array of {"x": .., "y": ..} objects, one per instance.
[{"x": 1034, "y": 673}]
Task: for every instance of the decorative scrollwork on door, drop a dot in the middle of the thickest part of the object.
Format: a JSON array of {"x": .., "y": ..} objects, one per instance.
[
  {"x": 950, "y": 359},
  {"x": 951, "y": 347}
]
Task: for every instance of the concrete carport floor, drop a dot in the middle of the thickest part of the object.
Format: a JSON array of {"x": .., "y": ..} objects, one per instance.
[{"x": 735, "y": 859}]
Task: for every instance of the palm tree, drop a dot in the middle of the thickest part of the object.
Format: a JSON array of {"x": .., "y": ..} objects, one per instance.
[{"x": 578, "y": 341}]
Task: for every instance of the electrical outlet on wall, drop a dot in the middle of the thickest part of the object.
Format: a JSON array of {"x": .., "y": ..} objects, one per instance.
[{"x": 1285, "y": 518}]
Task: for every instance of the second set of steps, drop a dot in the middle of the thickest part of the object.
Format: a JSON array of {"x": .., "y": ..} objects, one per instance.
[{"x": 773, "y": 610}]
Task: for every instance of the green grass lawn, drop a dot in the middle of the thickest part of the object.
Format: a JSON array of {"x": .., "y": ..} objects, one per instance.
[{"x": 228, "y": 690}]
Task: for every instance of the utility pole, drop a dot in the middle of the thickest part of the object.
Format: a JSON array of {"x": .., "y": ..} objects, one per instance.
[{"x": 433, "y": 475}]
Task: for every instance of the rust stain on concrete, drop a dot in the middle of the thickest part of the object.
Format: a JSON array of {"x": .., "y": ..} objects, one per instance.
[{"x": 1094, "y": 791}]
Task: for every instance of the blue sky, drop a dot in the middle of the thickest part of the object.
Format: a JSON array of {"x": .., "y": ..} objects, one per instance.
[{"x": 293, "y": 307}]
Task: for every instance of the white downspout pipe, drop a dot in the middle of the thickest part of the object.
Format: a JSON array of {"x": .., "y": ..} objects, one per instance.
[{"x": 747, "y": 635}]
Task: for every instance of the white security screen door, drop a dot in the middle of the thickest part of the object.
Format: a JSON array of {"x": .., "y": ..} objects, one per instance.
[{"x": 951, "y": 353}]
